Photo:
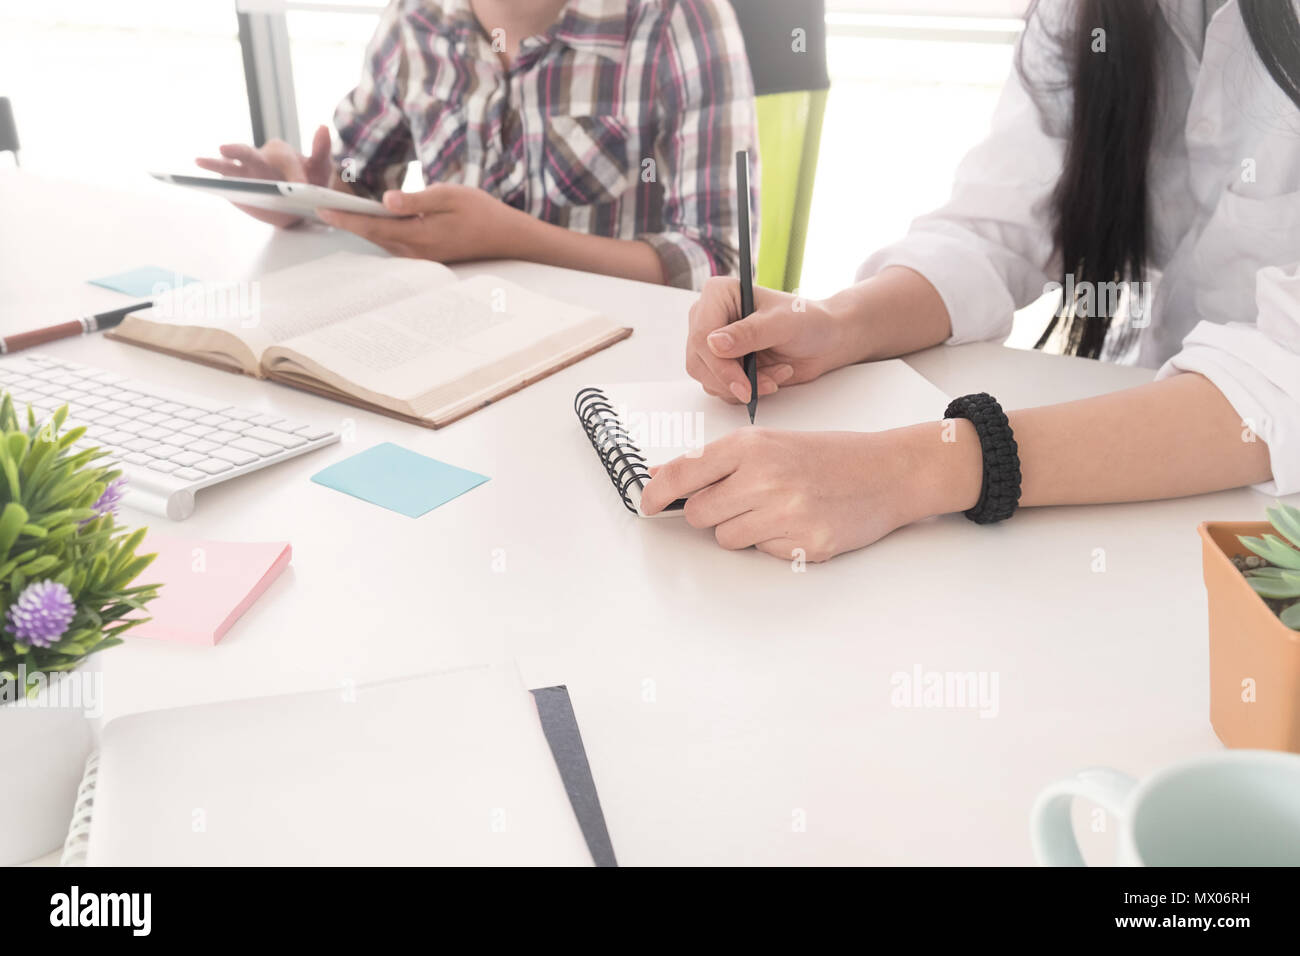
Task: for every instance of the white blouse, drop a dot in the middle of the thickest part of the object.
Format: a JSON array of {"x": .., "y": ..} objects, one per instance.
[{"x": 1225, "y": 219}]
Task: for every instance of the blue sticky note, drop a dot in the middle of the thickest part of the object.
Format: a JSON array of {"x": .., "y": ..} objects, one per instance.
[
  {"x": 398, "y": 479},
  {"x": 145, "y": 282}
]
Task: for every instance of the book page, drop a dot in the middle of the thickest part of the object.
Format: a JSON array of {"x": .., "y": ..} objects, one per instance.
[
  {"x": 285, "y": 304},
  {"x": 409, "y": 350}
]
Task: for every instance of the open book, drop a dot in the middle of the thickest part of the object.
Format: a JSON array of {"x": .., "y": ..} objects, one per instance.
[{"x": 403, "y": 337}]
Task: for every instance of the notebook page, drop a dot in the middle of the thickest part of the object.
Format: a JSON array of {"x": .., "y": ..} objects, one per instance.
[
  {"x": 668, "y": 419},
  {"x": 443, "y": 769}
]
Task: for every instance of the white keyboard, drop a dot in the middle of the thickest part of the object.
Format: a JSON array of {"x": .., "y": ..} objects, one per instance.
[{"x": 167, "y": 444}]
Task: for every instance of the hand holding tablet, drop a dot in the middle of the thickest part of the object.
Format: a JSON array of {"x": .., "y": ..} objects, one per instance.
[
  {"x": 275, "y": 183},
  {"x": 291, "y": 200}
]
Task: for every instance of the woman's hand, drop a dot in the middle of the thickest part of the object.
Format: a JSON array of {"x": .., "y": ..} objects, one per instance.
[
  {"x": 796, "y": 340},
  {"x": 448, "y": 223},
  {"x": 276, "y": 160},
  {"x": 820, "y": 493}
]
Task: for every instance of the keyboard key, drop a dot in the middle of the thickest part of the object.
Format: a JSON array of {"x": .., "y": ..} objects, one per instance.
[
  {"x": 198, "y": 431},
  {"x": 147, "y": 401},
  {"x": 164, "y": 451},
  {"x": 312, "y": 432},
  {"x": 151, "y": 418},
  {"x": 265, "y": 419},
  {"x": 156, "y": 433},
  {"x": 137, "y": 458},
  {"x": 264, "y": 449},
  {"x": 191, "y": 414},
  {"x": 166, "y": 467},
  {"x": 133, "y": 427},
  {"x": 233, "y": 455},
  {"x": 283, "y": 439},
  {"x": 112, "y": 405},
  {"x": 214, "y": 420},
  {"x": 110, "y": 421},
  {"x": 240, "y": 413},
  {"x": 175, "y": 424},
  {"x": 201, "y": 445},
  {"x": 186, "y": 458},
  {"x": 189, "y": 474},
  {"x": 222, "y": 437},
  {"x": 213, "y": 466},
  {"x": 115, "y": 438},
  {"x": 139, "y": 444}
]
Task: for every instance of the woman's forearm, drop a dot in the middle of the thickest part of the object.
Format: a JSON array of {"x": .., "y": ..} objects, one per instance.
[
  {"x": 893, "y": 313},
  {"x": 1175, "y": 437}
]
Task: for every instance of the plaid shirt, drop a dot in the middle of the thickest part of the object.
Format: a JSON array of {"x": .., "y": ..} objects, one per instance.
[{"x": 622, "y": 120}]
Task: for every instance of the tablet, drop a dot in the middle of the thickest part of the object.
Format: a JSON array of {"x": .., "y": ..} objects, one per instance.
[{"x": 302, "y": 199}]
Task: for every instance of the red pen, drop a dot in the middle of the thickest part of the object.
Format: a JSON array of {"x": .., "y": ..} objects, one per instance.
[{"x": 65, "y": 330}]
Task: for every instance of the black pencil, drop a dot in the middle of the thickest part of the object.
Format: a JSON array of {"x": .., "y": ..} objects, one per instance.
[{"x": 750, "y": 363}]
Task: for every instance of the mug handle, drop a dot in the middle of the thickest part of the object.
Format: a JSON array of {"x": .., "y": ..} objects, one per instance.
[{"x": 1051, "y": 829}]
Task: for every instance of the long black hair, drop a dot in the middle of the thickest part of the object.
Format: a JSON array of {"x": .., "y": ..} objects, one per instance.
[{"x": 1099, "y": 209}]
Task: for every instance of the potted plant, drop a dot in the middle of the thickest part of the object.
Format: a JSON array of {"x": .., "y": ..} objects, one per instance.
[
  {"x": 1252, "y": 576},
  {"x": 66, "y": 590}
]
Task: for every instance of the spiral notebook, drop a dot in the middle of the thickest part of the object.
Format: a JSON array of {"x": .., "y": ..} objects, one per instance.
[{"x": 633, "y": 426}]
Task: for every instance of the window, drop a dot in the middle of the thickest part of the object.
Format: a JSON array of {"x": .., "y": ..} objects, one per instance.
[{"x": 103, "y": 91}]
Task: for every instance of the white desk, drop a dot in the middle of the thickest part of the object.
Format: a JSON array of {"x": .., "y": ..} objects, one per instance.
[{"x": 722, "y": 697}]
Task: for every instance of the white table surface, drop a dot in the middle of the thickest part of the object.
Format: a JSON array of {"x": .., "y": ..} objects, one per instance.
[{"x": 734, "y": 711}]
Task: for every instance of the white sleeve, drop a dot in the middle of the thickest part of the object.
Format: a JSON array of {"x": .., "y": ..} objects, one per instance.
[
  {"x": 989, "y": 250},
  {"x": 1257, "y": 368}
]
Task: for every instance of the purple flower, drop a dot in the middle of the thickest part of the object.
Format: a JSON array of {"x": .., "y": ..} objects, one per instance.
[
  {"x": 111, "y": 498},
  {"x": 41, "y": 614}
]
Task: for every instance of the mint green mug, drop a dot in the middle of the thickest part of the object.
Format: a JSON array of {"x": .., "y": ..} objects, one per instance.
[{"x": 1235, "y": 808}]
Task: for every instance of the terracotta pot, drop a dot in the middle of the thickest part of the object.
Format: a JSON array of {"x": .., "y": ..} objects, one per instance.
[{"x": 1254, "y": 657}]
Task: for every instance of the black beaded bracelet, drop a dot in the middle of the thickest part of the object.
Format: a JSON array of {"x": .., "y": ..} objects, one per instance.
[{"x": 1000, "y": 491}]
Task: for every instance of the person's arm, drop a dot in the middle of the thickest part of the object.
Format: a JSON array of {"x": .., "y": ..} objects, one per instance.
[
  {"x": 1168, "y": 439},
  {"x": 890, "y": 314},
  {"x": 553, "y": 245},
  {"x": 989, "y": 249},
  {"x": 705, "y": 101},
  {"x": 819, "y": 494}
]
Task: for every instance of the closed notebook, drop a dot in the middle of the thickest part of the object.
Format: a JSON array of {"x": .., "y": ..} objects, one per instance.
[
  {"x": 403, "y": 337},
  {"x": 633, "y": 426},
  {"x": 446, "y": 769},
  {"x": 206, "y": 585}
]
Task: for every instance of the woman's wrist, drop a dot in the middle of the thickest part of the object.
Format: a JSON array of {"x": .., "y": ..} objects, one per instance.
[
  {"x": 848, "y": 313},
  {"x": 945, "y": 465},
  {"x": 895, "y": 312}
]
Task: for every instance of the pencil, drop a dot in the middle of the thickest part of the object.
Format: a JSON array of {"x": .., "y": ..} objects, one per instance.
[{"x": 750, "y": 363}]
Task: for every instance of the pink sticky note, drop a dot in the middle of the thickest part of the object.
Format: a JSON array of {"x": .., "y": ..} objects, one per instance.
[{"x": 206, "y": 585}]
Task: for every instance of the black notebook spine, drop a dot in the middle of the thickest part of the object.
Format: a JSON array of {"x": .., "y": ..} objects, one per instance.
[{"x": 622, "y": 459}]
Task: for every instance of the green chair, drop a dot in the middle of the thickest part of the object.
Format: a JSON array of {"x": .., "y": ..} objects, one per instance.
[{"x": 791, "y": 84}]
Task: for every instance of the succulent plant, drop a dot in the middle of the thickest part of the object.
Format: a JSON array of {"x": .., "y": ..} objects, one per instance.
[{"x": 1280, "y": 581}]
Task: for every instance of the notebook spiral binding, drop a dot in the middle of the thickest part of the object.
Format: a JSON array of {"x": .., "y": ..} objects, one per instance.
[
  {"x": 622, "y": 459},
  {"x": 75, "y": 846}
]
